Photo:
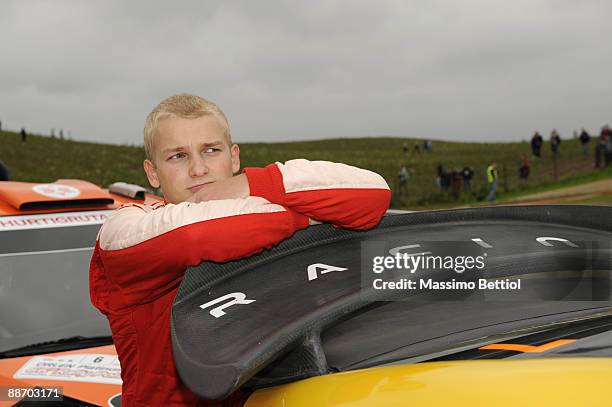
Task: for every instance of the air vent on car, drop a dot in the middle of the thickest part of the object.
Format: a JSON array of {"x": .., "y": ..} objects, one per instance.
[{"x": 128, "y": 190}]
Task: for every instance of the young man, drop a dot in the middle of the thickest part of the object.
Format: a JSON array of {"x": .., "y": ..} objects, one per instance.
[{"x": 209, "y": 214}]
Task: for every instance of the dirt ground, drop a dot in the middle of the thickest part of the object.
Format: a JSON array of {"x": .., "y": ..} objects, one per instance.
[{"x": 590, "y": 192}]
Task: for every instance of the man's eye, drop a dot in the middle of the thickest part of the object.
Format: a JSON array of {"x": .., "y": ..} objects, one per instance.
[
  {"x": 177, "y": 156},
  {"x": 212, "y": 150}
]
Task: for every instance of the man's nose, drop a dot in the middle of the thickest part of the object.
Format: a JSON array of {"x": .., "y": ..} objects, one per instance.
[{"x": 197, "y": 167}]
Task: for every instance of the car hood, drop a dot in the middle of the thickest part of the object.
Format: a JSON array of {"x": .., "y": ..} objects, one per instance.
[{"x": 501, "y": 383}]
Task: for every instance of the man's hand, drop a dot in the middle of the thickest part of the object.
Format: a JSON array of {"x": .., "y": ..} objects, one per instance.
[{"x": 230, "y": 188}]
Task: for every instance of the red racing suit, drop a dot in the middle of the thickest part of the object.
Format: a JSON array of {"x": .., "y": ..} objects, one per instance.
[{"x": 142, "y": 252}]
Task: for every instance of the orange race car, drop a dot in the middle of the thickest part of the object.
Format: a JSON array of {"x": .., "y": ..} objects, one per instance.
[{"x": 51, "y": 337}]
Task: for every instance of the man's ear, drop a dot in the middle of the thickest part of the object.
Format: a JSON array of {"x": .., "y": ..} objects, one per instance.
[
  {"x": 235, "y": 152},
  {"x": 149, "y": 168}
]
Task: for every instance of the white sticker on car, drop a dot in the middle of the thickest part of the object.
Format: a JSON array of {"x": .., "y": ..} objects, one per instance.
[
  {"x": 52, "y": 220},
  {"x": 91, "y": 368},
  {"x": 56, "y": 191}
]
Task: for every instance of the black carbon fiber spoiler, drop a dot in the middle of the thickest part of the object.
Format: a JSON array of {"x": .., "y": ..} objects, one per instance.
[{"x": 260, "y": 319}]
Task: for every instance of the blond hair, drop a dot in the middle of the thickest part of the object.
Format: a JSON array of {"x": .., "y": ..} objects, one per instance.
[{"x": 186, "y": 106}]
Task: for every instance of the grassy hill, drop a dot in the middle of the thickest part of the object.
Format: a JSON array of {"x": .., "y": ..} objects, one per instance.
[{"x": 43, "y": 159}]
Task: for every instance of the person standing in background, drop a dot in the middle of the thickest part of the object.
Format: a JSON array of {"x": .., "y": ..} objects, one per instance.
[
  {"x": 402, "y": 177},
  {"x": 492, "y": 179},
  {"x": 440, "y": 171},
  {"x": 606, "y": 135},
  {"x": 585, "y": 138},
  {"x": 555, "y": 142},
  {"x": 524, "y": 171},
  {"x": 467, "y": 173},
  {"x": 4, "y": 172},
  {"x": 536, "y": 144},
  {"x": 456, "y": 181}
]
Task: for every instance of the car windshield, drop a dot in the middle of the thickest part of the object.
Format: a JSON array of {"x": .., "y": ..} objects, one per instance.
[{"x": 44, "y": 294}]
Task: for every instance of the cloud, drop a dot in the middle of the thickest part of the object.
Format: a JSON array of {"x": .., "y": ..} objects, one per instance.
[{"x": 474, "y": 70}]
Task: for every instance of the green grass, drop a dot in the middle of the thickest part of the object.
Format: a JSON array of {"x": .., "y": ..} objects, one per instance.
[{"x": 42, "y": 159}]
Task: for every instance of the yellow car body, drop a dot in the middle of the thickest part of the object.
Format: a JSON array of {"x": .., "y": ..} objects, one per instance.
[{"x": 555, "y": 382}]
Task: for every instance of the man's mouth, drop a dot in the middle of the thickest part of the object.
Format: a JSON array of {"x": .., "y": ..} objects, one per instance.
[{"x": 196, "y": 188}]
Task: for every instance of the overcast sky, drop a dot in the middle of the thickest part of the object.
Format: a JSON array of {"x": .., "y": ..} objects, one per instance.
[{"x": 477, "y": 70}]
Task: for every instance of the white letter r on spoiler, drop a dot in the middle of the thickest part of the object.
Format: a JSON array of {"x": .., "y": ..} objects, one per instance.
[{"x": 237, "y": 298}]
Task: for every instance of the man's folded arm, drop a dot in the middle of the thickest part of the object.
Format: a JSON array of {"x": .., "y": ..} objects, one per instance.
[
  {"x": 145, "y": 251},
  {"x": 340, "y": 194}
]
